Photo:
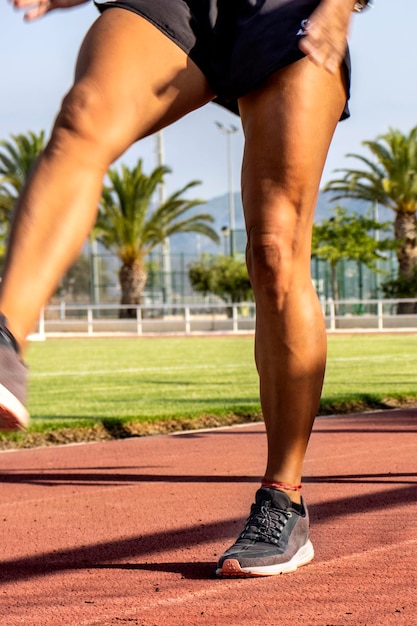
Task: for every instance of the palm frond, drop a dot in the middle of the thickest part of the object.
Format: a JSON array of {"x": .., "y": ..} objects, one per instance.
[
  {"x": 126, "y": 222},
  {"x": 389, "y": 177}
]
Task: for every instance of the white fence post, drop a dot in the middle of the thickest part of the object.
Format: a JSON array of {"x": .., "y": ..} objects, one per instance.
[
  {"x": 187, "y": 320},
  {"x": 90, "y": 323},
  {"x": 235, "y": 318},
  {"x": 332, "y": 313},
  {"x": 380, "y": 315},
  {"x": 139, "y": 328},
  {"x": 41, "y": 328}
]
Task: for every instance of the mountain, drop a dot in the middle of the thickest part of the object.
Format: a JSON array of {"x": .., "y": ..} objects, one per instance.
[{"x": 193, "y": 245}]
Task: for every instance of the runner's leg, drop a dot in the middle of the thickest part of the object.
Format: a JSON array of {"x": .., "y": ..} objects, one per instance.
[
  {"x": 288, "y": 125},
  {"x": 130, "y": 81}
]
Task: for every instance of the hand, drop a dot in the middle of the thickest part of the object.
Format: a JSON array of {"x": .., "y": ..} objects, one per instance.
[
  {"x": 32, "y": 10},
  {"x": 326, "y": 33}
]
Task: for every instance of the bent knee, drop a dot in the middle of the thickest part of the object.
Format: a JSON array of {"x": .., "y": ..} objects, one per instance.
[
  {"x": 275, "y": 264},
  {"x": 84, "y": 125},
  {"x": 82, "y": 112}
]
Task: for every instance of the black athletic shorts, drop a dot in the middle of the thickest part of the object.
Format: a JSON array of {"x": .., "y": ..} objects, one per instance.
[{"x": 235, "y": 43}]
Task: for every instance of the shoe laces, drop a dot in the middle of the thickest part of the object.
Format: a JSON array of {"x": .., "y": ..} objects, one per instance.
[{"x": 265, "y": 523}]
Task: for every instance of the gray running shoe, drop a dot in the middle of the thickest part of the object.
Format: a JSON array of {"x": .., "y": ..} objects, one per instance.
[
  {"x": 13, "y": 372},
  {"x": 274, "y": 540}
]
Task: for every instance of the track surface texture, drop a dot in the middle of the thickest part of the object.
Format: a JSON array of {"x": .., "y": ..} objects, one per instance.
[{"x": 128, "y": 532}]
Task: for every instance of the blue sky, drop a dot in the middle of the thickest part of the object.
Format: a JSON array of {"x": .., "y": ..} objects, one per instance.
[{"x": 38, "y": 60}]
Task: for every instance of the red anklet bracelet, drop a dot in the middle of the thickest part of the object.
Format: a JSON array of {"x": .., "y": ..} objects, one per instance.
[{"x": 286, "y": 486}]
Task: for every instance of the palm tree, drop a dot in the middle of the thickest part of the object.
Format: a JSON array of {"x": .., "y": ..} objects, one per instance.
[
  {"x": 389, "y": 179},
  {"x": 126, "y": 225},
  {"x": 16, "y": 160}
]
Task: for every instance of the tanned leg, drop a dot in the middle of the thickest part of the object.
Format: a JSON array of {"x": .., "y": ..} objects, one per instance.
[
  {"x": 130, "y": 81},
  {"x": 288, "y": 125}
]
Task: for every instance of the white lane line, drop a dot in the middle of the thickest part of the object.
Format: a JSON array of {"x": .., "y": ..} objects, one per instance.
[
  {"x": 206, "y": 366},
  {"x": 142, "y": 370}
]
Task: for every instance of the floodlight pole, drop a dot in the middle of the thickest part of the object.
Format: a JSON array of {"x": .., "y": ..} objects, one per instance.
[
  {"x": 165, "y": 248},
  {"x": 160, "y": 156},
  {"x": 94, "y": 271},
  {"x": 229, "y": 131}
]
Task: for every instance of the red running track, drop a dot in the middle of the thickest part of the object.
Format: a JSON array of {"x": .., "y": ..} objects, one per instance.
[{"x": 128, "y": 532}]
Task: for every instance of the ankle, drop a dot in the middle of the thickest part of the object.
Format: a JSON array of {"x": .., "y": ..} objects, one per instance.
[
  {"x": 272, "y": 484},
  {"x": 292, "y": 491}
]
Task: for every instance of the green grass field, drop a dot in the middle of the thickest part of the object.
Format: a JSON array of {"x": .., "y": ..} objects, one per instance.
[{"x": 82, "y": 383}]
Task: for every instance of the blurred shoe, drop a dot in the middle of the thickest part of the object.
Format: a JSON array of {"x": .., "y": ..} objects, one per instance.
[{"x": 13, "y": 373}]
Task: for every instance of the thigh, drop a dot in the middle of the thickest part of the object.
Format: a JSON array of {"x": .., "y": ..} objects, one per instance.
[
  {"x": 288, "y": 123},
  {"x": 134, "y": 79}
]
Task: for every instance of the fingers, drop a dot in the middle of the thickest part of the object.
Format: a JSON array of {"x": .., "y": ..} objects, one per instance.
[
  {"x": 325, "y": 51},
  {"x": 36, "y": 12},
  {"x": 325, "y": 34},
  {"x": 31, "y": 9},
  {"x": 34, "y": 9}
]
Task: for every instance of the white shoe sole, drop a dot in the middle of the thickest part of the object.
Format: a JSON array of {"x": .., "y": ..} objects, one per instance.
[
  {"x": 232, "y": 568},
  {"x": 13, "y": 415}
]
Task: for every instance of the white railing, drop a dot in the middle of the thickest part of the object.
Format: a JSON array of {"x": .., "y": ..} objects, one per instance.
[
  {"x": 372, "y": 315},
  {"x": 104, "y": 319}
]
